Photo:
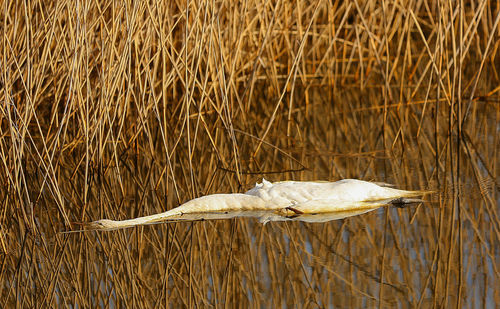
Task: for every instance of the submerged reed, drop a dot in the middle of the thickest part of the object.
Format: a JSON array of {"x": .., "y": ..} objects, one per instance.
[{"x": 128, "y": 108}]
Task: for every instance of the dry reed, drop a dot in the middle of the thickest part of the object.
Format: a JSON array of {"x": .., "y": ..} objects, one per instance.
[{"x": 127, "y": 108}]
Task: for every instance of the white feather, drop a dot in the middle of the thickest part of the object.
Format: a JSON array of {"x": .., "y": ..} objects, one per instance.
[{"x": 286, "y": 200}]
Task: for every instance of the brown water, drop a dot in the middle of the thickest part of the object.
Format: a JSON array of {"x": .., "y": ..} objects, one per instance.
[{"x": 108, "y": 113}]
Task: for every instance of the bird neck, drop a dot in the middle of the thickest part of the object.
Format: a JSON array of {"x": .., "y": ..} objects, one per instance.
[
  {"x": 222, "y": 202},
  {"x": 209, "y": 203}
]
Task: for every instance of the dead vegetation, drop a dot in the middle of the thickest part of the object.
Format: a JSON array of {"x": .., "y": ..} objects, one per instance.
[{"x": 127, "y": 108}]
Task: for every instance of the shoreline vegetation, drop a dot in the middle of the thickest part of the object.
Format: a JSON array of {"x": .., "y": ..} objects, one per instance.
[{"x": 126, "y": 108}]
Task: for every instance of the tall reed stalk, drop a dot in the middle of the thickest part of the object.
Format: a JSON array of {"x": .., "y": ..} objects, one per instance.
[{"x": 126, "y": 108}]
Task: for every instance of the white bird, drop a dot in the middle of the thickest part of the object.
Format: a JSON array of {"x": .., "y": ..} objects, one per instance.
[{"x": 285, "y": 200}]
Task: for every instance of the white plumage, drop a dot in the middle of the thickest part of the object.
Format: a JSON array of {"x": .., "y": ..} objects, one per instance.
[{"x": 286, "y": 200}]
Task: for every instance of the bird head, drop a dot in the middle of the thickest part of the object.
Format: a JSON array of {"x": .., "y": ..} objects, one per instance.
[{"x": 103, "y": 224}]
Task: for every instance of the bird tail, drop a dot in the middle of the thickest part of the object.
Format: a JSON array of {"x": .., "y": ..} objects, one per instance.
[
  {"x": 400, "y": 198},
  {"x": 404, "y": 198},
  {"x": 406, "y": 193}
]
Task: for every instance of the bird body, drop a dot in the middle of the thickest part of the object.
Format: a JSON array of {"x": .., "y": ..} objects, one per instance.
[
  {"x": 286, "y": 200},
  {"x": 324, "y": 196}
]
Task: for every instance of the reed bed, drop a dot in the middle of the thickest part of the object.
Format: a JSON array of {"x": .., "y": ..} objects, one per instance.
[{"x": 126, "y": 108}]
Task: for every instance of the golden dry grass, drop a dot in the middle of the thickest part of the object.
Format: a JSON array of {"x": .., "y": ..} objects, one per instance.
[{"x": 121, "y": 109}]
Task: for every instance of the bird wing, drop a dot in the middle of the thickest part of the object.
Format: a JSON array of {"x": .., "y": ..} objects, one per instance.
[{"x": 327, "y": 206}]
